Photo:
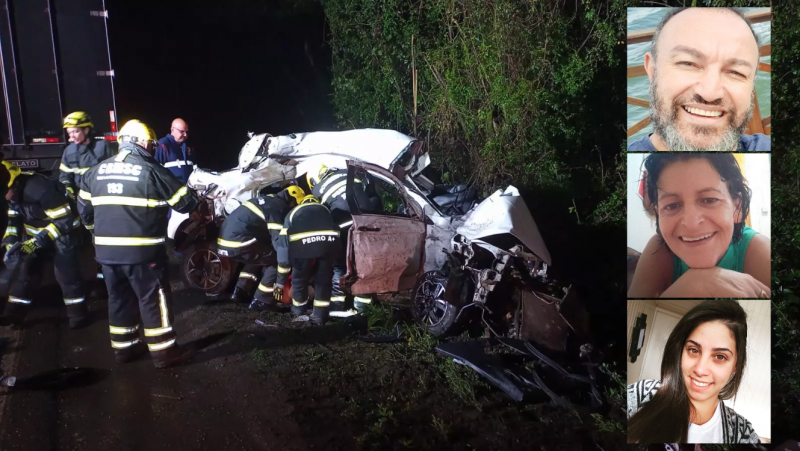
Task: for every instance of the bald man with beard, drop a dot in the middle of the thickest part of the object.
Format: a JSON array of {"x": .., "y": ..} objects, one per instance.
[
  {"x": 702, "y": 68},
  {"x": 174, "y": 153}
]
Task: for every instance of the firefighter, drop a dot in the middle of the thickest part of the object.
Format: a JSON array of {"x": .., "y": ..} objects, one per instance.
[
  {"x": 125, "y": 200},
  {"x": 42, "y": 220},
  {"x": 329, "y": 185},
  {"x": 309, "y": 234},
  {"x": 246, "y": 235},
  {"x": 82, "y": 153}
]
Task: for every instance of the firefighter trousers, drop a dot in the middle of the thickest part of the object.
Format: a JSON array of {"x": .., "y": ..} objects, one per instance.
[
  {"x": 22, "y": 277},
  {"x": 140, "y": 293},
  {"x": 302, "y": 270},
  {"x": 256, "y": 260}
]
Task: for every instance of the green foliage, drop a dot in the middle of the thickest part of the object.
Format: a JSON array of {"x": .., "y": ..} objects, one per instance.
[
  {"x": 508, "y": 91},
  {"x": 785, "y": 214}
]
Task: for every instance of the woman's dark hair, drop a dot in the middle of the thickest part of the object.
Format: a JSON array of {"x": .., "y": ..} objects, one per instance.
[
  {"x": 726, "y": 166},
  {"x": 665, "y": 418}
]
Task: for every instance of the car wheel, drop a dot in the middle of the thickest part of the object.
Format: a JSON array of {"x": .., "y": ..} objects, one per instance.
[
  {"x": 204, "y": 269},
  {"x": 429, "y": 307}
]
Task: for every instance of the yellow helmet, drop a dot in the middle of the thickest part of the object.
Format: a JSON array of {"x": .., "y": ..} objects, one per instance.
[
  {"x": 309, "y": 199},
  {"x": 78, "y": 119},
  {"x": 296, "y": 192},
  {"x": 13, "y": 171},
  {"x": 136, "y": 132},
  {"x": 313, "y": 178}
]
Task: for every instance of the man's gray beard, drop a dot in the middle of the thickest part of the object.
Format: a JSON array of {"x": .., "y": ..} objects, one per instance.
[{"x": 666, "y": 127}]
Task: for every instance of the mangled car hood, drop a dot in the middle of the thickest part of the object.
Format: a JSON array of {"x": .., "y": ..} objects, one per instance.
[{"x": 505, "y": 212}]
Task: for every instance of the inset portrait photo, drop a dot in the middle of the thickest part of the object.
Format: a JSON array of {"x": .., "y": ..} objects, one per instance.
[
  {"x": 699, "y": 79},
  {"x": 699, "y": 225},
  {"x": 699, "y": 371}
]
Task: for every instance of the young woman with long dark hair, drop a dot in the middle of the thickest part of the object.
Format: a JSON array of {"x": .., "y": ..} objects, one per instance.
[{"x": 703, "y": 364}]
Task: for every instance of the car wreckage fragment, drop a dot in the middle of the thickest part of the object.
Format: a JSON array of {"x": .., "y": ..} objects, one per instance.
[{"x": 517, "y": 380}]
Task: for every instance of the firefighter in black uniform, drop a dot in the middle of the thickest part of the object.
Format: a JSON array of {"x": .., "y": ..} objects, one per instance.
[
  {"x": 42, "y": 219},
  {"x": 329, "y": 186},
  {"x": 82, "y": 153},
  {"x": 250, "y": 235},
  {"x": 309, "y": 234},
  {"x": 125, "y": 200}
]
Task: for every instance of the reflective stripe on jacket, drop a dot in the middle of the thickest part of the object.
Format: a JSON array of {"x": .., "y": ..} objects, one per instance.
[
  {"x": 126, "y": 199},
  {"x": 39, "y": 205},
  {"x": 177, "y": 157},
  {"x": 308, "y": 232},
  {"x": 331, "y": 192},
  {"x": 258, "y": 219},
  {"x": 79, "y": 158}
]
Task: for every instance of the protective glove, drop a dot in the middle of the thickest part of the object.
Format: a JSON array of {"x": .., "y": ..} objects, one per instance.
[
  {"x": 277, "y": 292},
  {"x": 71, "y": 192},
  {"x": 40, "y": 240},
  {"x": 30, "y": 246}
]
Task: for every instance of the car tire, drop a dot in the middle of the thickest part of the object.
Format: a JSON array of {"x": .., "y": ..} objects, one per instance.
[
  {"x": 204, "y": 269},
  {"x": 429, "y": 308}
]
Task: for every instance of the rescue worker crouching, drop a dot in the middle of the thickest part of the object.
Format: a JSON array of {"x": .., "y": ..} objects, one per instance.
[
  {"x": 83, "y": 153},
  {"x": 309, "y": 234},
  {"x": 43, "y": 220},
  {"x": 125, "y": 201},
  {"x": 329, "y": 186},
  {"x": 250, "y": 235}
]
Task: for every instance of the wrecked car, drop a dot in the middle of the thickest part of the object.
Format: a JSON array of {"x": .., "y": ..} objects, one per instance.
[
  {"x": 449, "y": 257},
  {"x": 266, "y": 160},
  {"x": 434, "y": 249}
]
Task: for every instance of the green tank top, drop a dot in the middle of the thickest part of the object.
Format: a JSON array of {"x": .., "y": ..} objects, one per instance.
[{"x": 733, "y": 258}]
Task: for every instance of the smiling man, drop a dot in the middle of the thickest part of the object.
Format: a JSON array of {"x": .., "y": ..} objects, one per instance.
[{"x": 702, "y": 70}]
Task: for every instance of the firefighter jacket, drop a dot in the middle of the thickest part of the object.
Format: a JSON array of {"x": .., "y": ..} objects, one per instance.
[
  {"x": 79, "y": 158},
  {"x": 308, "y": 232},
  {"x": 331, "y": 192},
  {"x": 125, "y": 201},
  {"x": 260, "y": 219},
  {"x": 177, "y": 157},
  {"x": 39, "y": 205}
]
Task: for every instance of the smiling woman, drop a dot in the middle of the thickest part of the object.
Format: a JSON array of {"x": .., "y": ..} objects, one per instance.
[
  {"x": 703, "y": 246},
  {"x": 703, "y": 364}
]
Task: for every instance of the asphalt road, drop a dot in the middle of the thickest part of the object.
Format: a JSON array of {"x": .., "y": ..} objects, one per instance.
[{"x": 72, "y": 395}]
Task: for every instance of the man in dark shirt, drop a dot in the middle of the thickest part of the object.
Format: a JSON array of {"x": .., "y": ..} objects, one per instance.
[{"x": 174, "y": 154}]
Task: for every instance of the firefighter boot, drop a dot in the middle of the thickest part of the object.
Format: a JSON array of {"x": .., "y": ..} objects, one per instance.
[
  {"x": 239, "y": 295},
  {"x": 131, "y": 353},
  {"x": 78, "y": 313},
  {"x": 319, "y": 315},
  {"x": 338, "y": 304},
  {"x": 78, "y": 322},
  {"x": 172, "y": 356},
  {"x": 299, "y": 309},
  {"x": 260, "y": 305},
  {"x": 360, "y": 303},
  {"x": 16, "y": 311}
]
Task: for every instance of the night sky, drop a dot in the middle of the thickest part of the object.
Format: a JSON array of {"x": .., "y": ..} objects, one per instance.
[{"x": 239, "y": 66}]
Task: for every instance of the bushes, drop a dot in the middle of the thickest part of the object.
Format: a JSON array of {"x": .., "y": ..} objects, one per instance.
[
  {"x": 785, "y": 224},
  {"x": 507, "y": 91}
]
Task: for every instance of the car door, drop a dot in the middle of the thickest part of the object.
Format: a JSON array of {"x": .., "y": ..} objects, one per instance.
[{"x": 386, "y": 249}]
